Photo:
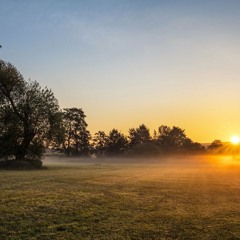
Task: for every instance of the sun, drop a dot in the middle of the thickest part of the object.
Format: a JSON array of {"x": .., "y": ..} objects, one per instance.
[{"x": 235, "y": 140}]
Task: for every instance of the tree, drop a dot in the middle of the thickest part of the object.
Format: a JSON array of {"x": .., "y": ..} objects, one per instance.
[
  {"x": 116, "y": 143},
  {"x": 192, "y": 147},
  {"x": 215, "y": 145},
  {"x": 77, "y": 137},
  {"x": 100, "y": 142},
  {"x": 139, "y": 135},
  {"x": 171, "y": 139},
  {"x": 174, "y": 140},
  {"x": 26, "y": 115}
]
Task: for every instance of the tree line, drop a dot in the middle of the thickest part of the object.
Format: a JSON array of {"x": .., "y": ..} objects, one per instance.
[
  {"x": 31, "y": 121},
  {"x": 78, "y": 140}
]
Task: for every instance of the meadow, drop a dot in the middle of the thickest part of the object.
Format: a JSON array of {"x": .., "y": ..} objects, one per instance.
[{"x": 178, "y": 199}]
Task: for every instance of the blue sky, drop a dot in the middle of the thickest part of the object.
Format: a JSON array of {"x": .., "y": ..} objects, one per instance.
[{"x": 131, "y": 62}]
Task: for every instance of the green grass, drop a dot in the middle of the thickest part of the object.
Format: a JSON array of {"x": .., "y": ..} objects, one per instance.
[{"x": 113, "y": 201}]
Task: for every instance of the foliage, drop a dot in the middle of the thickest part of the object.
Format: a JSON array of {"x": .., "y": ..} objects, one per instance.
[
  {"x": 77, "y": 137},
  {"x": 139, "y": 135},
  {"x": 171, "y": 139},
  {"x": 116, "y": 143},
  {"x": 174, "y": 140},
  {"x": 217, "y": 147},
  {"x": 166, "y": 140},
  {"x": 30, "y": 120},
  {"x": 26, "y": 111},
  {"x": 100, "y": 141},
  {"x": 216, "y": 144},
  {"x": 56, "y": 134},
  {"x": 192, "y": 147}
]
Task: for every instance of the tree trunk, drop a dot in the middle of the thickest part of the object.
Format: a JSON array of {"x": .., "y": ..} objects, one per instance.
[{"x": 24, "y": 146}]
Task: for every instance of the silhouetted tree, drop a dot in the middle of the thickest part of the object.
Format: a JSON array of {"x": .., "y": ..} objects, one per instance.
[
  {"x": 174, "y": 140},
  {"x": 27, "y": 114},
  {"x": 171, "y": 139},
  {"x": 139, "y": 135},
  {"x": 77, "y": 137},
  {"x": 192, "y": 147},
  {"x": 116, "y": 143},
  {"x": 56, "y": 134},
  {"x": 216, "y": 144},
  {"x": 100, "y": 142}
]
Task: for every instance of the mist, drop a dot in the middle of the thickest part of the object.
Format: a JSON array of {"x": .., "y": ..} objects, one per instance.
[{"x": 173, "y": 161}]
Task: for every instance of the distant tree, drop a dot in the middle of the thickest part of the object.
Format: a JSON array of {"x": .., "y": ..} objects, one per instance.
[
  {"x": 171, "y": 139},
  {"x": 100, "y": 141},
  {"x": 77, "y": 137},
  {"x": 192, "y": 147},
  {"x": 163, "y": 132},
  {"x": 116, "y": 143},
  {"x": 139, "y": 135},
  {"x": 85, "y": 148},
  {"x": 155, "y": 136},
  {"x": 174, "y": 140},
  {"x": 27, "y": 116},
  {"x": 216, "y": 144}
]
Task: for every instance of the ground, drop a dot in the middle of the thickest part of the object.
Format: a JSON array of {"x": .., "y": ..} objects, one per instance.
[{"x": 165, "y": 200}]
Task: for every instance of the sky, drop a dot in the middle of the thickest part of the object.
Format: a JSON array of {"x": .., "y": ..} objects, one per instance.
[{"x": 132, "y": 62}]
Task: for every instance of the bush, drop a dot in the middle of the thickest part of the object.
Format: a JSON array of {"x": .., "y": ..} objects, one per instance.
[{"x": 20, "y": 165}]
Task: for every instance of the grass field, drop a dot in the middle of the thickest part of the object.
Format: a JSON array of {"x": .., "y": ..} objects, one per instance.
[{"x": 121, "y": 201}]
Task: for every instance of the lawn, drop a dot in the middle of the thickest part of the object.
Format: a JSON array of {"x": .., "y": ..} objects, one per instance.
[{"x": 121, "y": 201}]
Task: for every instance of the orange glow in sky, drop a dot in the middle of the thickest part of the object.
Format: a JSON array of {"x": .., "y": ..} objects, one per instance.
[{"x": 127, "y": 63}]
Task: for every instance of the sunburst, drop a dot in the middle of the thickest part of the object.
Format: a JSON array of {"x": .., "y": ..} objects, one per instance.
[{"x": 235, "y": 140}]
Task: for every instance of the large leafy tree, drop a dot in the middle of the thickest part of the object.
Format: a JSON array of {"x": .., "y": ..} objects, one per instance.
[
  {"x": 174, "y": 140},
  {"x": 171, "y": 139},
  {"x": 139, "y": 135},
  {"x": 77, "y": 137},
  {"x": 117, "y": 143},
  {"x": 29, "y": 115}
]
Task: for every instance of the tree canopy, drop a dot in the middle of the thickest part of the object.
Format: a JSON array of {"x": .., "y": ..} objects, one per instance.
[
  {"x": 77, "y": 137},
  {"x": 139, "y": 135},
  {"x": 116, "y": 143},
  {"x": 28, "y": 115}
]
